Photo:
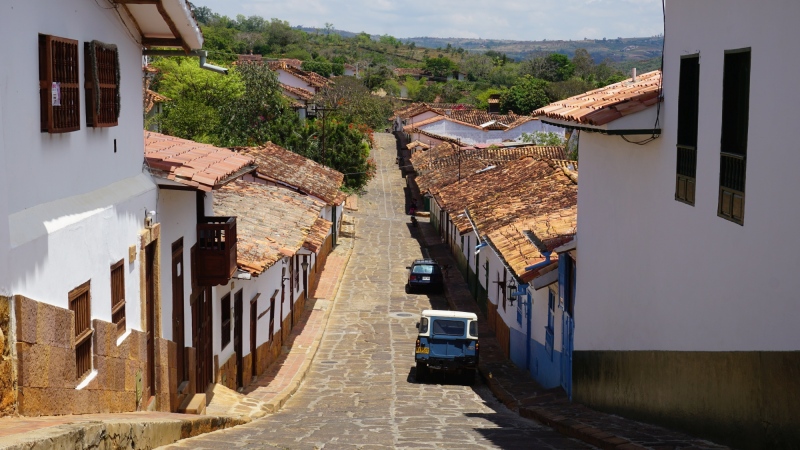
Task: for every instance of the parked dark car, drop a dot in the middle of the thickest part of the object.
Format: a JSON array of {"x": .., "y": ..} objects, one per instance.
[{"x": 425, "y": 274}]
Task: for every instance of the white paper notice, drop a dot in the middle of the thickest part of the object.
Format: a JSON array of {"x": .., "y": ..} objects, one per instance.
[{"x": 55, "y": 94}]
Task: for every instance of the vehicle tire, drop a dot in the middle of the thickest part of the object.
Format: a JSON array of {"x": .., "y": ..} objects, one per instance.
[
  {"x": 408, "y": 289},
  {"x": 468, "y": 377},
  {"x": 422, "y": 372}
]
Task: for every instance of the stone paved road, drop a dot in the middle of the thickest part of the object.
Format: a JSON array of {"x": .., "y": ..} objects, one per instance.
[{"x": 360, "y": 391}]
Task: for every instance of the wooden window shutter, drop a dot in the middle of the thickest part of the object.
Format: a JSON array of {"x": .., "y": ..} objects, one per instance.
[
  {"x": 59, "y": 91},
  {"x": 80, "y": 305},
  {"x": 118, "y": 296},
  {"x": 102, "y": 84}
]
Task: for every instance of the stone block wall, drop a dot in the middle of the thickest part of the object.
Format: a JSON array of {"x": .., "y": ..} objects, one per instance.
[
  {"x": 226, "y": 375},
  {"x": 8, "y": 369},
  {"x": 46, "y": 365}
]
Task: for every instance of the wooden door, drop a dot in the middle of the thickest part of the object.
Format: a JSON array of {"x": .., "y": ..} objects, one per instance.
[
  {"x": 201, "y": 339},
  {"x": 253, "y": 336},
  {"x": 178, "y": 319},
  {"x": 238, "y": 338},
  {"x": 150, "y": 252}
]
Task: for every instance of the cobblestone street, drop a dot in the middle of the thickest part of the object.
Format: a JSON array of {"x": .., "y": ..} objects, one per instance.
[{"x": 360, "y": 391}]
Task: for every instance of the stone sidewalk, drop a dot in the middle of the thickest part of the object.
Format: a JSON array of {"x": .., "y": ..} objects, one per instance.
[{"x": 519, "y": 392}]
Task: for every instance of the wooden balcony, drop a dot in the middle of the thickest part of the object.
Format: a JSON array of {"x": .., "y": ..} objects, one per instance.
[{"x": 216, "y": 250}]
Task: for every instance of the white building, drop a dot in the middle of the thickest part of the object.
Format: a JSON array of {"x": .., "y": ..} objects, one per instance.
[
  {"x": 687, "y": 295},
  {"x": 76, "y": 232}
]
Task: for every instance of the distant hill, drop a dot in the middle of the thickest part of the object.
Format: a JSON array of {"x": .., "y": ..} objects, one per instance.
[
  {"x": 617, "y": 50},
  {"x": 626, "y": 52}
]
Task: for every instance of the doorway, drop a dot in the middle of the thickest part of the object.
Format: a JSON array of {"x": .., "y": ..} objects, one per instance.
[
  {"x": 150, "y": 252},
  {"x": 237, "y": 337},
  {"x": 178, "y": 318}
]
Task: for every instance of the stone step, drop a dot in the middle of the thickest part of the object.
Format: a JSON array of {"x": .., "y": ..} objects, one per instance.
[{"x": 194, "y": 404}]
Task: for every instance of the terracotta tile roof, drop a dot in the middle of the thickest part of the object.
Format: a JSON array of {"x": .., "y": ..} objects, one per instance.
[
  {"x": 401, "y": 72},
  {"x": 201, "y": 166},
  {"x": 341, "y": 197},
  {"x": 439, "y": 167},
  {"x": 517, "y": 250},
  {"x": 257, "y": 59},
  {"x": 414, "y": 126},
  {"x": 437, "y": 136},
  {"x": 151, "y": 98},
  {"x": 418, "y": 144},
  {"x": 452, "y": 106},
  {"x": 279, "y": 164},
  {"x": 413, "y": 110},
  {"x": 498, "y": 197},
  {"x": 271, "y": 221},
  {"x": 604, "y": 105},
  {"x": 317, "y": 234},
  {"x": 313, "y": 79},
  {"x": 300, "y": 93}
]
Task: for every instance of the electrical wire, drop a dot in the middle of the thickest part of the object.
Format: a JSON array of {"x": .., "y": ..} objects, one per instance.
[{"x": 655, "y": 136}]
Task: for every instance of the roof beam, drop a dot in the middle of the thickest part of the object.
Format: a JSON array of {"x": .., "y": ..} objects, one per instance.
[
  {"x": 161, "y": 42},
  {"x": 171, "y": 25}
]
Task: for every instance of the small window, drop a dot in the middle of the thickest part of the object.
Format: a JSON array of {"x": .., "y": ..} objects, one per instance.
[
  {"x": 735, "y": 120},
  {"x": 226, "y": 320},
  {"x": 80, "y": 305},
  {"x": 118, "y": 296},
  {"x": 101, "y": 72},
  {"x": 688, "y": 99},
  {"x": 473, "y": 328},
  {"x": 423, "y": 325},
  {"x": 550, "y": 329},
  {"x": 272, "y": 315},
  {"x": 297, "y": 272},
  {"x": 448, "y": 327},
  {"x": 59, "y": 90}
]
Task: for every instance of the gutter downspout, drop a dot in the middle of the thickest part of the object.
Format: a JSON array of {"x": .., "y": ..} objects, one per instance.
[
  {"x": 541, "y": 264},
  {"x": 202, "y": 54}
]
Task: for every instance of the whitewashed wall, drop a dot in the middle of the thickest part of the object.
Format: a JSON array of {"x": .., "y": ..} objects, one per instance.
[
  {"x": 65, "y": 164},
  {"x": 657, "y": 274},
  {"x": 177, "y": 213},
  {"x": 470, "y": 135}
]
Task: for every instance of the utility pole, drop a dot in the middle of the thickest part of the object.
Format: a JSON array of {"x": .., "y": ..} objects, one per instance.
[{"x": 322, "y": 110}]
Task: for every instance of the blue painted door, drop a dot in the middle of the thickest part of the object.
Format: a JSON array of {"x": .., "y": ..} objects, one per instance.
[{"x": 567, "y": 331}]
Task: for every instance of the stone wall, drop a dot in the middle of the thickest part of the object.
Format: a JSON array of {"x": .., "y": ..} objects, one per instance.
[
  {"x": 8, "y": 370},
  {"x": 46, "y": 365},
  {"x": 746, "y": 399}
]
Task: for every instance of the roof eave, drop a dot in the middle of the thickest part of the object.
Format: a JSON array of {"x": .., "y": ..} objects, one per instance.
[{"x": 602, "y": 129}]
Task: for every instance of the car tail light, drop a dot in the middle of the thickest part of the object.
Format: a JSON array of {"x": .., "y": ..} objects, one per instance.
[
  {"x": 417, "y": 342},
  {"x": 477, "y": 345}
]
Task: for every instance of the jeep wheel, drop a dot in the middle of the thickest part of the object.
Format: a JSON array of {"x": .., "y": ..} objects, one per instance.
[{"x": 422, "y": 372}]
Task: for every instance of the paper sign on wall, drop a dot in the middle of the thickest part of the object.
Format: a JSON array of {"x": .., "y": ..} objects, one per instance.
[{"x": 55, "y": 94}]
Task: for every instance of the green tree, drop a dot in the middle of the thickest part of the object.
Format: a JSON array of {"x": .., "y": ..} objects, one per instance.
[
  {"x": 477, "y": 67},
  {"x": 257, "y": 115},
  {"x": 527, "y": 95},
  {"x": 440, "y": 67},
  {"x": 546, "y": 138},
  {"x": 354, "y": 103},
  {"x": 584, "y": 64}
]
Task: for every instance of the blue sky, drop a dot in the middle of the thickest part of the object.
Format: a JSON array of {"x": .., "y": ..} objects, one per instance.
[{"x": 508, "y": 19}]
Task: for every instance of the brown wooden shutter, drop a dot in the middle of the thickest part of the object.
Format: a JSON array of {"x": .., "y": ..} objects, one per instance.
[
  {"x": 102, "y": 84},
  {"x": 118, "y": 296},
  {"x": 80, "y": 304},
  {"x": 58, "y": 70}
]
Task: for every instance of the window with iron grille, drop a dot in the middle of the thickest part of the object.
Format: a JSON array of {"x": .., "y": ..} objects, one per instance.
[
  {"x": 80, "y": 305},
  {"x": 688, "y": 99},
  {"x": 297, "y": 272},
  {"x": 549, "y": 337},
  {"x": 225, "y": 336},
  {"x": 59, "y": 91},
  {"x": 118, "y": 296},
  {"x": 272, "y": 315},
  {"x": 101, "y": 71},
  {"x": 735, "y": 120}
]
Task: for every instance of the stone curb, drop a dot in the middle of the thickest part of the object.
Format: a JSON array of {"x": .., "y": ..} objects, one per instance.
[{"x": 141, "y": 432}]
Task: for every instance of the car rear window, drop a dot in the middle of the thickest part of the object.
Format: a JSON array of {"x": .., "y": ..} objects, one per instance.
[
  {"x": 448, "y": 327},
  {"x": 423, "y": 269}
]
